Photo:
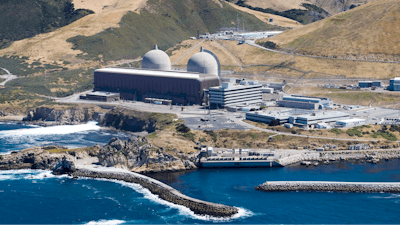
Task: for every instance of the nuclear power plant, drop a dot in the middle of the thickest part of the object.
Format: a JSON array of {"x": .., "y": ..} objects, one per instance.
[{"x": 156, "y": 79}]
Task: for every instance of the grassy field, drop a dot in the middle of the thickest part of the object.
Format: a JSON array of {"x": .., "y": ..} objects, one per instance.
[
  {"x": 368, "y": 132},
  {"x": 263, "y": 64},
  {"x": 363, "y": 98},
  {"x": 351, "y": 34},
  {"x": 173, "y": 136}
]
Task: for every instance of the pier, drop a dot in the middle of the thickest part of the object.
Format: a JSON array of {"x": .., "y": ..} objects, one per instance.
[
  {"x": 158, "y": 188},
  {"x": 327, "y": 186}
]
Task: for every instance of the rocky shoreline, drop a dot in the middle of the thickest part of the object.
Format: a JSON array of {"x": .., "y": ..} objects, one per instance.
[
  {"x": 163, "y": 191},
  {"x": 369, "y": 187},
  {"x": 118, "y": 160}
]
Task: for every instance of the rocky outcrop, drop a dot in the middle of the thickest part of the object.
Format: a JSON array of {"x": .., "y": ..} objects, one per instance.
[
  {"x": 136, "y": 121},
  {"x": 63, "y": 116},
  {"x": 330, "y": 186},
  {"x": 164, "y": 192},
  {"x": 138, "y": 155},
  {"x": 37, "y": 158}
]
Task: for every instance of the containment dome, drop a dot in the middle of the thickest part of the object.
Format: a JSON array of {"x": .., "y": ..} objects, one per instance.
[
  {"x": 203, "y": 62},
  {"x": 156, "y": 60}
]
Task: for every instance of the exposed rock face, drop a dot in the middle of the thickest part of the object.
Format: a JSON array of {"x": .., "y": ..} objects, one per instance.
[
  {"x": 63, "y": 116},
  {"x": 37, "y": 158},
  {"x": 139, "y": 155},
  {"x": 135, "y": 121}
]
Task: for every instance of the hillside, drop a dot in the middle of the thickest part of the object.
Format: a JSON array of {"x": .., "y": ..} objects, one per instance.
[
  {"x": 127, "y": 29},
  {"x": 27, "y": 18},
  {"x": 331, "y": 6},
  {"x": 351, "y": 34},
  {"x": 277, "y": 20}
]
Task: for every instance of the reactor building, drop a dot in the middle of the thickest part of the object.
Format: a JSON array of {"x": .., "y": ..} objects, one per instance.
[{"x": 157, "y": 80}]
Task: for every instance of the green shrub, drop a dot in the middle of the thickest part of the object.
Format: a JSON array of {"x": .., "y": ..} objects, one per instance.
[{"x": 336, "y": 131}]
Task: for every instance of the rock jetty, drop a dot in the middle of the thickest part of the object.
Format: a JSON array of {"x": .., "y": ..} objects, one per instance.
[
  {"x": 330, "y": 186},
  {"x": 163, "y": 191},
  {"x": 309, "y": 158}
]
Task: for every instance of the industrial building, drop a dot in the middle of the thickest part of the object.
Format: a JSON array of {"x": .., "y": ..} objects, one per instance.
[
  {"x": 307, "y": 120},
  {"x": 267, "y": 117},
  {"x": 232, "y": 94},
  {"x": 394, "y": 84},
  {"x": 304, "y": 102},
  {"x": 317, "y": 117},
  {"x": 101, "y": 96},
  {"x": 367, "y": 84},
  {"x": 156, "y": 80},
  {"x": 350, "y": 122}
]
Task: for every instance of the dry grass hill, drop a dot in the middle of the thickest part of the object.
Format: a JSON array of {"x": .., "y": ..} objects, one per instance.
[
  {"x": 370, "y": 31},
  {"x": 278, "y": 20},
  {"x": 53, "y": 46},
  {"x": 331, "y": 6},
  {"x": 277, "y": 5}
]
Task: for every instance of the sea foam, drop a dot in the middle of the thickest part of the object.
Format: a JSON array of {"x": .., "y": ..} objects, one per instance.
[
  {"x": 63, "y": 129},
  {"x": 106, "y": 222}
]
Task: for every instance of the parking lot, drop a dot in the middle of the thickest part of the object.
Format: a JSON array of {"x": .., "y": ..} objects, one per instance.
[{"x": 211, "y": 122}]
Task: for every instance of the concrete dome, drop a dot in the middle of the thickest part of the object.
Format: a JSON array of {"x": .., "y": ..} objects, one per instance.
[
  {"x": 203, "y": 62},
  {"x": 156, "y": 60}
]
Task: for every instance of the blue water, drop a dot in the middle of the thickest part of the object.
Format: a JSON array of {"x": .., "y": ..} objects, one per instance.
[{"x": 33, "y": 197}]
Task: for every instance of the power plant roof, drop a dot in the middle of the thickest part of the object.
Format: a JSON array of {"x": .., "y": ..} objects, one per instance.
[
  {"x": 155, "y": 73},
  {"x": 156, "y": 60}
]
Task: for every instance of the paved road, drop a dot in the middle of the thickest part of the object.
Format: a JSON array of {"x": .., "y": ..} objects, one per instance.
[
  {"x": 9, "y": 76},
  {"x": 252, "y": 43}
]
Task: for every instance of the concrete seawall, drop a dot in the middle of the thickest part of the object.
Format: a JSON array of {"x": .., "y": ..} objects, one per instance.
[
  {"x": 164, "y": 191},
  {"x": 323, "y": 186},
  {"x": 330, "y": 156}
]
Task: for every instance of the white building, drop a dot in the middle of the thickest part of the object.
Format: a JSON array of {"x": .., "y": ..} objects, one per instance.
[
  {"x": 351, "y": 122},
  {"x": 231, "y": 94}
]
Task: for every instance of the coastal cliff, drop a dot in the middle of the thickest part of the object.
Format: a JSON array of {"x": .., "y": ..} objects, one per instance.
[
  {"x": 119, "y": 118},
  {"x": 138, "y": 155},
  {"x": 64, "y": 115},
  {"x": 135, "y": 154}
]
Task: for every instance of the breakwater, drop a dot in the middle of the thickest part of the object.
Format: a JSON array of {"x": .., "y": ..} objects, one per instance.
[
  {"x": 163, "y": 191},
  {"x": 330, "y": 186},
  {"x": 331, "y": 156}
]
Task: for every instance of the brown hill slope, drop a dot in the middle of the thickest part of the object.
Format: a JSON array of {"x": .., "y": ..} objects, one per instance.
[
  {"x": 53, "y": 46},
  {"x": 370, "y": 32},
  {"x": 278, "y": 20}
]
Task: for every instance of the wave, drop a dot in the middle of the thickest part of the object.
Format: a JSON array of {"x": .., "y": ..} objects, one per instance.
[
  {"x": 243, "y": 213},
  {"x": 106, "y": 222},
  {"x": 391, "y": 196},
  {"x": 28, "y": 174},
  {"x": 63, "y": 129}
]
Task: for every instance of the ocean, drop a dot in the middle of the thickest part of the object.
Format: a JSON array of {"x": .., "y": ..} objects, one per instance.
[{"x": 38, "y": 197}]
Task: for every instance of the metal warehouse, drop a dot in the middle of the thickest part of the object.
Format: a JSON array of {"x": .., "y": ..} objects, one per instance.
[{"x": 156, "y": 80}]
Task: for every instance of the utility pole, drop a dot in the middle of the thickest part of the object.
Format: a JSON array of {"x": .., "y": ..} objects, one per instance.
[{"x": 237, "y": 22}]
